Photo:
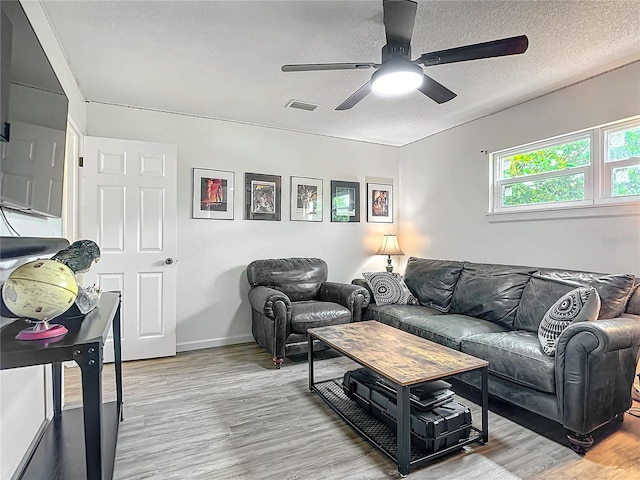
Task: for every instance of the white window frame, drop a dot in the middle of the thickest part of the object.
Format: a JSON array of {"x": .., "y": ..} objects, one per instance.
[
  {"x": 597, "y": 178},
  {"x": 607, "y": 167}
]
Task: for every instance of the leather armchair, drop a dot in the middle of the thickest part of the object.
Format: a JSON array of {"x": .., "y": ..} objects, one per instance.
[{"x": 290, "y": 295}]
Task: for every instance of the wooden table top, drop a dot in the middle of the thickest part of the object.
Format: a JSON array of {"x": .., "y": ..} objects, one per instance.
[{"x": 402, "y": 357}]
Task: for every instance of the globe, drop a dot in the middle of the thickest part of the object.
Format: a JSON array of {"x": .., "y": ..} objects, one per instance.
[{"x": 40, "y": 290}]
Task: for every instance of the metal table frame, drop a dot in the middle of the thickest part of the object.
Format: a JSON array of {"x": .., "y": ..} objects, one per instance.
[{"x": 404, "y": 458}]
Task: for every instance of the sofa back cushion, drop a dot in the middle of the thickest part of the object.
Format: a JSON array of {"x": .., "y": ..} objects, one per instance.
[
  {"x": 432, "y": 281},
  {"x": 491, "y": 292},
  {"x": 633, "y": 305},
  {"x": 298, "y": 278},
  {"x": 614, "y": 289},
  {"x": 538, "y": 297}
]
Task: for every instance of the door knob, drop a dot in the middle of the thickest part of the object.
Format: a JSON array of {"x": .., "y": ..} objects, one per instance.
[{"x": 168, "y": 260}]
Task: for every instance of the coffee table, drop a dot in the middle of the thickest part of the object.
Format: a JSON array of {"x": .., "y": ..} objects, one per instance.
[{"x": 407, "y": 361}]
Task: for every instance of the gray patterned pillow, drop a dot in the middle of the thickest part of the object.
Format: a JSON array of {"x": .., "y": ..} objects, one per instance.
[
  {"x": 389, "y": 288},
  {"x": 579, "y": 305}
]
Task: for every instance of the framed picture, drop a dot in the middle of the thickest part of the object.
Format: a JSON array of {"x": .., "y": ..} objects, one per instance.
[
  {"x": 379, "y": 203},
  {"x": 262, "y": 196},
  {"x": 213, "y": 194},
  {"x": 345, "y": 201},
  {"x": 306, "y": 199}
]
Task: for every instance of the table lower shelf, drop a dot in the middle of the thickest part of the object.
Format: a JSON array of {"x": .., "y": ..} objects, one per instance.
[
  {"x": 60, "y": 453},
  {"x": 376, "y": 431}
]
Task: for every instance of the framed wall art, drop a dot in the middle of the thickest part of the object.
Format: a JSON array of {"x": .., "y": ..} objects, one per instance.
[
  {"x": 306, "y": 199},
  {"x": 213, "y": 194},
  {"x": 345, "y": 201},
  {"x": 262, "y": 196},
  {"x": 379, "y": 203}
]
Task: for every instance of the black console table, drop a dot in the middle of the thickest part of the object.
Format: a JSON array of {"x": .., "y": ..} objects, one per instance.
[{"x": 77, "y": 443}]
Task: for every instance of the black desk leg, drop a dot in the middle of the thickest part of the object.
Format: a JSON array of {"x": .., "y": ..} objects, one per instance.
[
  {"x": 485, "y": 405},
  {"x": 404, "y": 431},
  {"x": 310, "y": 356},
  {"x": 117, "y": 357},
  {"x": 89, "y": 358},
  {"x": 56, "y": 371}
]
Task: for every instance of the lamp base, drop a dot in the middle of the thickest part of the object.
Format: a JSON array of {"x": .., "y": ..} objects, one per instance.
[{"x": 389, "y": 266}]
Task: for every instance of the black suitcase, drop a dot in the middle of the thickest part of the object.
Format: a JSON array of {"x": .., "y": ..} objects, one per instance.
[
  {"x": 363, "y": 381},
  {"x": 431, "y": 430}
]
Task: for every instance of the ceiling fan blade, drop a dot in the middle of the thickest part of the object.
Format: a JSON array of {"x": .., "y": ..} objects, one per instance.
[
  {"x": 355, "y": 97},
  {"x": 435, "y": 91},
  {"x": 307, "y": 67},
  {"x": 494, "y": 48},
  {"x": 399, "y": 17}
]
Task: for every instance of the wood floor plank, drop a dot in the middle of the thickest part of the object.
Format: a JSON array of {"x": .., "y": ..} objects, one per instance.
[{"x": 226, "y": 413}]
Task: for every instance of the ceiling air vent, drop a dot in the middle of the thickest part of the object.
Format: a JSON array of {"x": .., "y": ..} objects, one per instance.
[{"x": 309, "y": 107}]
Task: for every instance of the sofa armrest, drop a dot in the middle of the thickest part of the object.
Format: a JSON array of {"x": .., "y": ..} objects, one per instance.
[
  {"x": 595, "y": 367},
  {"x": 264, "y": 300},
  {"x": 353, "y": 297}
]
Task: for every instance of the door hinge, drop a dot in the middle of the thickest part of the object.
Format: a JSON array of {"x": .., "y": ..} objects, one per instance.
[{"x": 81, "y": 161}]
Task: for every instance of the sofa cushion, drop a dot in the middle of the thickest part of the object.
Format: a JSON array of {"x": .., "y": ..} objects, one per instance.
[
  {"x": 298, "y": 278},
  {"x": 490, "y": 292},
  {"x": 447, "y": 330},
  {"x": 311, "y": 314},
  {"x": 537, "y": 298},
  {"x": 516, "y": 356},
  {"x": 579, "y": 305},
  {"x": 432, "y": 281},
  {"x": 633, "y": 305},
  {"x": 389, "y": 288},
  {"x": 614, "y": 290}
]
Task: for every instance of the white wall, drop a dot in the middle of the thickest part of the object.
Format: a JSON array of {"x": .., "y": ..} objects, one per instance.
[
  {"x": 444, "y": 182},
  {"x": 213, "y": 254}
]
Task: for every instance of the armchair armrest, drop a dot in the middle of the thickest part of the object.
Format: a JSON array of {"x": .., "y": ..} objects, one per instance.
[
  {"x": 353, "y": 297},
  {"x": 595, "y": 367},
  {"x": 263, "y": 300}
]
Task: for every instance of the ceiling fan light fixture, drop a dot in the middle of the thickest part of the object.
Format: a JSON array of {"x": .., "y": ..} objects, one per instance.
[{"x": 397, "y": 79}]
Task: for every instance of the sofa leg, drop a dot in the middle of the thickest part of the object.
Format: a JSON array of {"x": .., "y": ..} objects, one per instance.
[
  {"x": 277, "y": 362},
  {"x": 579, "y": 443}
]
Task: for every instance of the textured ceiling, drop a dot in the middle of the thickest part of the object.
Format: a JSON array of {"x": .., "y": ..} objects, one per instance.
[{"x": 222, "y": 59}]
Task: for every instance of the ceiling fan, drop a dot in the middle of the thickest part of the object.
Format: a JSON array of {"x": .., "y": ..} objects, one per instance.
[{"x": 398, "y": 73}]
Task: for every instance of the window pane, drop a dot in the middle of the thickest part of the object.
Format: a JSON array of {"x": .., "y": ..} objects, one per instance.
[
  {"x": 558, "y": 189},
  {"x": 625, "y": 181},
  {"x": 550, "y": 159},
  {"x": 623, "y": 144}
]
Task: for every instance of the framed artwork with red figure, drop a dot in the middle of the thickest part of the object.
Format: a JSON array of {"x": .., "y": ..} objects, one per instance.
[
  {"x": 213, "y": 192},
  {"x": 379, "y": 203}
]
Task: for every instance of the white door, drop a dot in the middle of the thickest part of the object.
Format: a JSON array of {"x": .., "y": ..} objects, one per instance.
[{"x": 128, "y": 207}]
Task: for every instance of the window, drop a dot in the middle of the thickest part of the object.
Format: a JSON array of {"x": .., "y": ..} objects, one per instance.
[{"x": 589, "y": 168}]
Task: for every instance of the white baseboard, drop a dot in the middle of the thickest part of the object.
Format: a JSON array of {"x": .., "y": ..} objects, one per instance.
[{"x": 213, "y": 342}]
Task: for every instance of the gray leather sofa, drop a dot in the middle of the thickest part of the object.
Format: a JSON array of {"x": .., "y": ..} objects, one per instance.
[
  {"x": 493, "y": 312},
  {"x": 290, "y": 295}
]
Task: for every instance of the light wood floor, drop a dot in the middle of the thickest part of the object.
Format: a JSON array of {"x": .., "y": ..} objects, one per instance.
[{"x": 225, "y": 413}]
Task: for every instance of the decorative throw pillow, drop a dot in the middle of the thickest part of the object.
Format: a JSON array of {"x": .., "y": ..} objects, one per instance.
[
  {"x": 579, "y": 305},
  {"x": 389, "y": 288}
]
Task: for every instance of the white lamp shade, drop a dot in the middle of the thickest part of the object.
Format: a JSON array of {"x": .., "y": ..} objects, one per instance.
[{"x": 390, "y": 246}]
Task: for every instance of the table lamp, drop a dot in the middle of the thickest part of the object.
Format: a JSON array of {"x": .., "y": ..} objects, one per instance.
[{"x": 389, "y": 247}]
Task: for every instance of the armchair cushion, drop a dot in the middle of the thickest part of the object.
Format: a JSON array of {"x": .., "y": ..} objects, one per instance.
[
  {"x": 298, "y": 278},
  {"x": 310, "y": 314}
]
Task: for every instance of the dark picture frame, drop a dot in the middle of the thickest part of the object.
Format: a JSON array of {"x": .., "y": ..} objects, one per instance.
[
  {"x": 379, "y": 203},
  {"x": 262, "y": 196},
  {"x": 306, "y": 199},
  {"x": 345, "y": 201},
  {"x": 213, "y": 194}
]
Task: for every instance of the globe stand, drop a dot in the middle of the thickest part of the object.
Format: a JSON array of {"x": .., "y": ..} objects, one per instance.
[{"x": 42, "y": 331}]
